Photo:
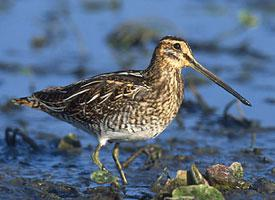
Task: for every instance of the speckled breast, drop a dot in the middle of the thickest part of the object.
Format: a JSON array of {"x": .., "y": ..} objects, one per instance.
[{"x": 146, "y": 117}]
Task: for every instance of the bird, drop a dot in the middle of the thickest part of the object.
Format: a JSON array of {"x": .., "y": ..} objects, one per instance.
[{"x": 126, "y": 106}]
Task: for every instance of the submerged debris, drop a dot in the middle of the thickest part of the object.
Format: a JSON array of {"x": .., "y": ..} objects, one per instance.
[
  {"x": 27, "y": 188},
  {"x": 9, "y": 107},
  {"x": 240, "y": 124},
  {"x": 39, "y": 41},
  {"x": 263, "y": 185},
  {"x": 38, "y": 189},
  {"x": 270, "y": 100},
  {"x": 247, "y": 18},
  {"x": 214, "y": 47},
  {"x": 133, "y": 34},
  {"x": 199, "y": 105},
  {"x": 154, "y": 153},
  {"x": 231, "y": 125},
  {"x": 69, "y": 143},
  {"x": 206, "y": 109},
  {"x": 207, "y": 150},
  {"x": 229, "y": 120},
  {"x": 106, "y": 193},
  {"x": 94, "y": 5},
  {"x": 10, "y": 138}
]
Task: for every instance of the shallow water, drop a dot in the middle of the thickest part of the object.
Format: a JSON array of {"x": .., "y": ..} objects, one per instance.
[{"x": 78, "y": 37}]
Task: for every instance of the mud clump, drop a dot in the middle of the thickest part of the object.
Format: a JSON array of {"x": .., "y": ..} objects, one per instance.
[
  {"x": 264, "y": 186},
  {"x": 132, "y": 34},
  {"x": 187, "y": 184},
  {"x": 224, "y": 177},
  {"x": 11, "y": 134},
  {"x": 38, "y": 189},
  {"x": 192, "y": 184},
  {"x": 41, "y": 189},
  {"x": 106, "y": 193},
  {"x": 9, "y": 107},
  {"x": 69, "y": 143}
]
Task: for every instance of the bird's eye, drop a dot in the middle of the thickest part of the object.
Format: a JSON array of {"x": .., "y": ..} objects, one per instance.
[{"x": 177, "y": 46}]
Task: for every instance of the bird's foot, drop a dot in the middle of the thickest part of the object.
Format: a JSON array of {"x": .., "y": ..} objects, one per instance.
[{"x": 103, "y": 176}]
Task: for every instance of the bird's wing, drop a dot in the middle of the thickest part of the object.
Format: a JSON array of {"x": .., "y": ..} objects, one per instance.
[{"x": 92, "y": 92}]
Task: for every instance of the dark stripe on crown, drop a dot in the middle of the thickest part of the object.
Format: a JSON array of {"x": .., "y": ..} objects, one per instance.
[{"x": 170, "y": 37}]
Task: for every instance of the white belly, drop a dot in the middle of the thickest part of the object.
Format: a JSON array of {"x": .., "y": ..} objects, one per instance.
[{"x": 129, "y": 136}]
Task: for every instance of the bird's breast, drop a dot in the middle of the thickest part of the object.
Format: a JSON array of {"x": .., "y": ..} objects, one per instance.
[{"x": 150, "y": 115}]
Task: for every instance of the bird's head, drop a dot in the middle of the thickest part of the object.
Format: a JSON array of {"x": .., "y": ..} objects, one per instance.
[{"x": 176, "y": 52}]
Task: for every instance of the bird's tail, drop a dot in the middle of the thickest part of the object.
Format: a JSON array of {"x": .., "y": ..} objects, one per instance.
[{"x": 26, "y": 101}]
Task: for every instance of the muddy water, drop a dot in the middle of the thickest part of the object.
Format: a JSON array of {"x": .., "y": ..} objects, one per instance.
[{"x": 46, "y": 43}]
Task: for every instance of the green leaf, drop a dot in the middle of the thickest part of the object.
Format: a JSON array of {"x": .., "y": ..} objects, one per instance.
[
  {"x": 248, "y": 19},
  {"x": 198, "y": 192},
  {"x": 103, "y": 177}
]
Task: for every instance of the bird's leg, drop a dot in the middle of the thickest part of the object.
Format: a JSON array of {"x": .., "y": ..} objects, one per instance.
[
  {"x": 101, "y": 176},
  {"x": 95, "y": 157},
  {"x": 118, "y": 165}
]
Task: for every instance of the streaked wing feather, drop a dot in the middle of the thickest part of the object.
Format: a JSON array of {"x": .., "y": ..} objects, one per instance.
[{"x": 96, "y": 90}]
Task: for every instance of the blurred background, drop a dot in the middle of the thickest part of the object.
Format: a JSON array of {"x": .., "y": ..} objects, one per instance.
[{"x": 54, "y": 43}]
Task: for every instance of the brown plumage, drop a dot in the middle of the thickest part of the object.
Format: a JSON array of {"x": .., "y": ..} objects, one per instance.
[{"x": 126, "y": 105}]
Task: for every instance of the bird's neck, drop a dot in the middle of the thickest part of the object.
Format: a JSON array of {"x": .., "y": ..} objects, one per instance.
[
  {"x": 166, "y": 82},
  {"x": 161, "y": 72},
  {"x": 167, "y": 86}
]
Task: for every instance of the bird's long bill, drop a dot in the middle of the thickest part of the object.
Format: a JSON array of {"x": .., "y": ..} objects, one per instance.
[{"x": 198, "y": 67}]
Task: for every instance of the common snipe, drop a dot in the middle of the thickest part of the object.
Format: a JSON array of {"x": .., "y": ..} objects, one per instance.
[{"x": 126, "y": 105}]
